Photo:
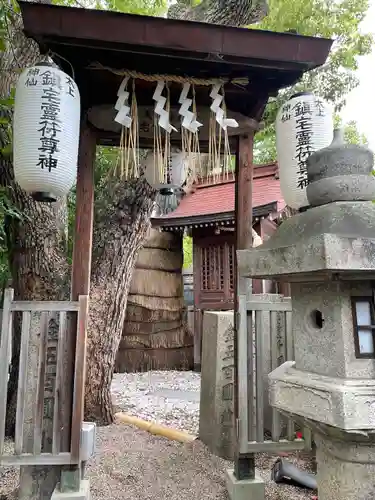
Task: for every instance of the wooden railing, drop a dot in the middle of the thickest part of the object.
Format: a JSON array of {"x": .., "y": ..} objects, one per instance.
[
  {"x": 33, "y": 452},
  {"x": 264, "y": 325}
]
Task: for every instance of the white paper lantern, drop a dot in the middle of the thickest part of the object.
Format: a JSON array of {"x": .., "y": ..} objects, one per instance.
[
  {"x": 174, "y": 177},
  {"x": 46, "y": 132},
  {"x": 304, "y": 124}
]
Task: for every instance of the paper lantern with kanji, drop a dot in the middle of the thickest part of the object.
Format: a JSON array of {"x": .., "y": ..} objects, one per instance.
[
  {"x": 304, "y": 124},
  {"x": 46, "y": 132}
]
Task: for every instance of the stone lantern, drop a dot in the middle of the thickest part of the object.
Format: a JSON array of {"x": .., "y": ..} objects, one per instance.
[{"x": 327, "y": 253}]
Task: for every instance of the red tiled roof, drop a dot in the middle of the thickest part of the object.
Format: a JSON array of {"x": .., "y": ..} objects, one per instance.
[{"x": 209, "y": 199}]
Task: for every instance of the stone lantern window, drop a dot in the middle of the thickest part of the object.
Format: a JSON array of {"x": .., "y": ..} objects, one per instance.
[{"x": 364, "y": 327}]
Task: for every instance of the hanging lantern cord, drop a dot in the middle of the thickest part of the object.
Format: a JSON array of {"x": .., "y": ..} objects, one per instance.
[{"x": 52, "y": 54}]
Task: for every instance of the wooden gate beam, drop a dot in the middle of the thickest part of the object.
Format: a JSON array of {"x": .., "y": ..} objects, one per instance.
[
  {"x": 81, "y": 271},
  {"x": 244, "y": 465}
]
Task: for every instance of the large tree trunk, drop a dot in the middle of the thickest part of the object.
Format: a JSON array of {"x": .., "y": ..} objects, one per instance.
[
  {"x": 38, "y": 263},
  {"x": 39, "y": 272},
  {"x": 39, "y": 268},
  {"x": 37, "y": 245},
  {"x": 226, "y": 12},
  {"x": 120, "y": 228}
]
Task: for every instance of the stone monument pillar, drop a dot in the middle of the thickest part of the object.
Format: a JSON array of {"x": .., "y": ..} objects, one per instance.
[
  {"x": 327, "y": 253},
  {"x": 216, "y": 419}
]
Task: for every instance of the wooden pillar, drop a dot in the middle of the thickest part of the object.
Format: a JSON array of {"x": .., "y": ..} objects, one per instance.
[
  {"x": 244, "y": 465},
  {"x": 84, "y": 213},
  {"x": 198, "y": 313},
  {"x": 81, "y": 271},
  {"x": 244, "y": 192}
]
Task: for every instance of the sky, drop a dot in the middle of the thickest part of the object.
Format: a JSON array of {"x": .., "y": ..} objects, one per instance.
[{"x": 361, "y": 102}]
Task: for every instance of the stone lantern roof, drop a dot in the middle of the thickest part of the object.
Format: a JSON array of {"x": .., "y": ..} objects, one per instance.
[{"x": 336, "y": 235}]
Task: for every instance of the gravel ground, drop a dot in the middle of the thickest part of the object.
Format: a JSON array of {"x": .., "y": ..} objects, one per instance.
[
  {"x": 132, "y": 464},
  {"x": 140, "y": 394},
  {"x": 8, "y": 475}
]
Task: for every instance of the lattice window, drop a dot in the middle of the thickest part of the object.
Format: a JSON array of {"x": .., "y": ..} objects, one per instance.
[
  {"x": 231, "y": 266},
  {"x": 204, "y": 268},
  {"x": 212, "y": 267}
]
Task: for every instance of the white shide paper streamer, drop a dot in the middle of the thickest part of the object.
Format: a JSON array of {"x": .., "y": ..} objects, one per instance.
[
  {"x": 123, "y": 116},
  {"x": 223, "y": 122},
  {"x": 159, "y": 108},
  {"x": 189, "y": 118}
]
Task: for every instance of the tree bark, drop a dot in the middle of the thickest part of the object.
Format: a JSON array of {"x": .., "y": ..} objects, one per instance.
[
  {"x": 37, "y": 249},
  {"x": 225, "y": 12},
  {"x": 39, "y": 269},
  {"x": 37, "y": 245},
  {"x": 120, "y": 227},
  {"x": 39, "y": 272}
]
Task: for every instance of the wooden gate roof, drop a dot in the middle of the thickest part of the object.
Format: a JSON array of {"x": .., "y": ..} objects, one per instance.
[{"x": 254, "y": 63}]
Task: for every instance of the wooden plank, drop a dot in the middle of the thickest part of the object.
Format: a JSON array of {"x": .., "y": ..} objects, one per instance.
[
  {"x": 22, "y": 382},
  {"x": 251, "y": 406},
  {"x": 44, "y": 306},
  {"x": 39, "y": 406},
  {"x": 243, "y": 465},
  {"x": 198, "y": 325},
  {"x": 289, "y": 357},
  {"x": 27, "y": 459},
  {"x": 243, "y": 388},
  {"x": 272, "y": 447},
  {"x": 244, "y": 191},
  {"x": 57, "y": 424},
  {"x": 84, "y": 217},
  {"x": 276, "y": 426},
  {"x": 253, "y": 305},
  {"x": 283, "y": 335},
  {"x": 259, "y": 376},
  {"x": 79, "y": 377},
  {"x": 6, "y": 337},
  {"x": 289, "y": 337},
  {"x": 307, "y": 437},
  {"x": 81, "y": 268}
]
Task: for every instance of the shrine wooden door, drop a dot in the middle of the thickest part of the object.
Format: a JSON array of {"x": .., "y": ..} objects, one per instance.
[{"x": 214, "y": 271}]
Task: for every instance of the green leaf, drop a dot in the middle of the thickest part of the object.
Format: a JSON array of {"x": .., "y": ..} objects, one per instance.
[
  {"x": 339, "y": 20},
  {"x": 7, "y": 150},
  {"x": 188, "y": 251},
  {"x": 15, "y": 6},
  {"x": 7, "y": 102}
]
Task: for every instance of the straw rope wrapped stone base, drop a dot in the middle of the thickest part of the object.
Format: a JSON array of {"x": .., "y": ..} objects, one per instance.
[{"x": 156, "y": 336}]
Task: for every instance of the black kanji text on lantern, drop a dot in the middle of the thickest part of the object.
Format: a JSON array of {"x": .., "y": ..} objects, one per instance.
[
  {"x": 71, "y": 86},
  {"x": 304, "y": 132},
  {"x": 49, "y": 122}
]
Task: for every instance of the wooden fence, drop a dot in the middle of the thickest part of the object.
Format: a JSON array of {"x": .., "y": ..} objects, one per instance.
[
  {"x": 64, "y": 311},
  {"x": 264, "y": 326}
]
